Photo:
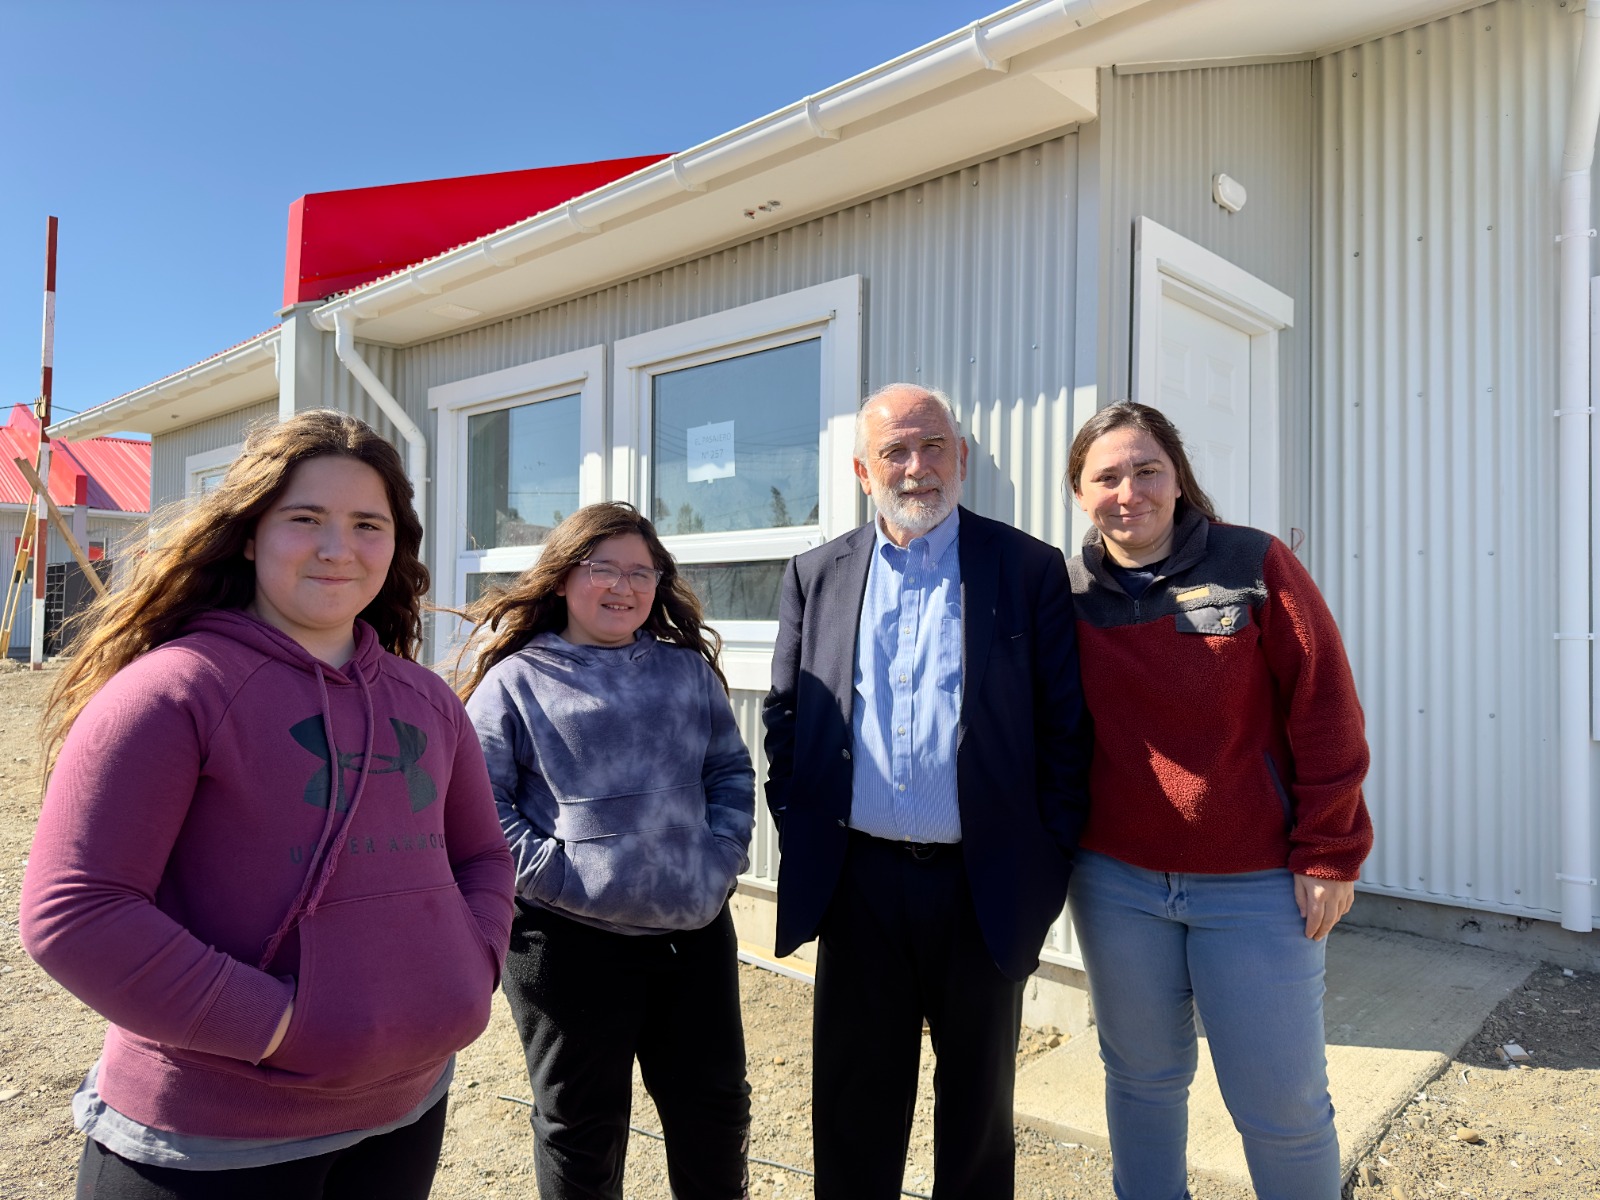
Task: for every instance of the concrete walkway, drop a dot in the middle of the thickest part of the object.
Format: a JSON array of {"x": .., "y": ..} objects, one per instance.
[{"x": 1398, "y": 1009}]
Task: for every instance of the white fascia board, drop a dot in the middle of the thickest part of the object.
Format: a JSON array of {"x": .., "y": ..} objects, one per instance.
[
  {"x": 698, "y": 199},
  {"x": 1027, "y": 71},
  {"x": 244, "y": 375}
]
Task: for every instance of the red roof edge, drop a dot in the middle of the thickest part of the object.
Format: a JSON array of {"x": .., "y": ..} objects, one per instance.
[{"x": 340, "y": 240}]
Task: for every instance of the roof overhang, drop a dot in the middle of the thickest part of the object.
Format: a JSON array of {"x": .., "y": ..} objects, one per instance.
[
  {"x": 1024, "y": 73},
  {"x": 245, "y": 374},
  {"x": 1027, "y": 72}
]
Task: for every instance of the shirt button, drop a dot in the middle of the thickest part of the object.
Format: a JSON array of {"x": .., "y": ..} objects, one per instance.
[
  {"x": 902, "y": 729},
  {"x": 902, "y": 787},
  {"x": 902, "y": 679},
  {"x": 844, "y": 753},
  {"x": 906, "y": 629}
]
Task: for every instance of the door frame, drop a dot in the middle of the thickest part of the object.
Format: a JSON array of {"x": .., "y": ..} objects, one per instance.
[{"x": 1167, "y": 264}]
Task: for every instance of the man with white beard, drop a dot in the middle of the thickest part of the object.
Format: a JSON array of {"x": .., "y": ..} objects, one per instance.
[{"x": 928, "y": 756}]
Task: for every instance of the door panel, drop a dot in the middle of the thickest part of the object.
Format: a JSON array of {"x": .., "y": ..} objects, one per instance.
[{"x": 1203, "y": 385}]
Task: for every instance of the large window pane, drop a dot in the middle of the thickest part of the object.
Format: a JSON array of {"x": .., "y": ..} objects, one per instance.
[
  {"x": 480, "y": 582},
  {"x": 738, "y": 591},
  {"x": 734, "y": 442},
  {"x": 522, "y": 472}
]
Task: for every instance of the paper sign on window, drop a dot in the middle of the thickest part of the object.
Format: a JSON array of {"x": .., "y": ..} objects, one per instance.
[{"x": 711, "y": 452}]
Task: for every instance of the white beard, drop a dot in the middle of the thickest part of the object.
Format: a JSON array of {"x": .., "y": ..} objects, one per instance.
[{"x": 914, "y": 515}]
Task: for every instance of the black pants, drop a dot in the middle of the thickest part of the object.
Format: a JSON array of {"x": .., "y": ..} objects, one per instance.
[
  {"x": 398, "y": 1165},
  {"x": 586, "y": 1002},
  {"x": 900, "y": 943}
]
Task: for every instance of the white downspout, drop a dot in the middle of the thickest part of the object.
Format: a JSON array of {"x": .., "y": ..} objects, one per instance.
[
  {"x": 344, "y": 345},
  {"x": 1574, "y": 628}
]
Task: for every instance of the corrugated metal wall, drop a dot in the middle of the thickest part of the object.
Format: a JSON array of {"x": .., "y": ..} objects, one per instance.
[
  {"x": 1434, "y": 384},
  {"x": 970, "y": 287},
  {"x": 168, "y": 475},
  {"x": 1164, "y": 136}
]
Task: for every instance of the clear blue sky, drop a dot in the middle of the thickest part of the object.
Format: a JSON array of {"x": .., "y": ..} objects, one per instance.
[{"x": 171, "y": 136}]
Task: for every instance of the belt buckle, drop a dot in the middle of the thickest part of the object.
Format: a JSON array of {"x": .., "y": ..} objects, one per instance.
[{"x": 922, "y": 851}]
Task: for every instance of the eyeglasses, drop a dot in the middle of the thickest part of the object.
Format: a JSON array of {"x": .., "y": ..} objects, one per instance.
[{"x": 608, "y": 575}]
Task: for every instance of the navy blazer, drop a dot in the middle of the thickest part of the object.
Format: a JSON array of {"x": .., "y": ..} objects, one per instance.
[{"x": 1022, "y": 750}]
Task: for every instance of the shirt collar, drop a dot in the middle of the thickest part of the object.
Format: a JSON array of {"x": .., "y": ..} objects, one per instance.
[{"x": 938, "y": 539}]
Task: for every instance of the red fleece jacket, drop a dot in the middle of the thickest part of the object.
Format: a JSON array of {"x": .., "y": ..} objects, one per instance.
[{"x": 1228, "y": 735}]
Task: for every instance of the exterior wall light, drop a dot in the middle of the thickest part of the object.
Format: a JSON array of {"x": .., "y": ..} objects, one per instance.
[{"x": 1228, "y": 192}]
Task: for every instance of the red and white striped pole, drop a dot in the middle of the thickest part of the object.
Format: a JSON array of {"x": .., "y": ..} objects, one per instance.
[{"x": 41, "y": 541}]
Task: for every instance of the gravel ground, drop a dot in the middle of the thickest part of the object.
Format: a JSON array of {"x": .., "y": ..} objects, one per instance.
[{"x": 1480, "y": 1130}]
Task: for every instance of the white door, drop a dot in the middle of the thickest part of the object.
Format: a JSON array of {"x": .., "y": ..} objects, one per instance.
[
  {"x": 1203, "y": 386},
  {"x": 1205, "y": 353}
]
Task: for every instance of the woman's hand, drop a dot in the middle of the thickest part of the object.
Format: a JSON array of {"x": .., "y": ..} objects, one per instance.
[
  {"x": 1322, "y": 902},
  {"x": 280, "y": 1032}
]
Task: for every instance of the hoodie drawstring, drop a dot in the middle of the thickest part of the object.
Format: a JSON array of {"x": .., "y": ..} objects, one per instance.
[{"x": 325, "y": 858}]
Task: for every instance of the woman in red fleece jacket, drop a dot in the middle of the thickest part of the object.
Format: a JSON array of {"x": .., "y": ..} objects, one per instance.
[
  {"x": 1226, "y": 825},
  {"x": 268, "y": 853}
]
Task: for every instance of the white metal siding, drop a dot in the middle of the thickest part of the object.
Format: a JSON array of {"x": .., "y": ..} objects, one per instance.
[
  {"x": 169, "y": 479},
  {"x": 1432, "y": 394},
  {"x": 970, "y": 287},
  {"x": 764, "y": 846},
  {"x": 1164, "y": 136}
]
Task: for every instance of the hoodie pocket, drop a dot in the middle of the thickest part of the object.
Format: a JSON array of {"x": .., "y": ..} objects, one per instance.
[
  {"x": 647, "y": 860},
  {"x": 386, "y": 985}
]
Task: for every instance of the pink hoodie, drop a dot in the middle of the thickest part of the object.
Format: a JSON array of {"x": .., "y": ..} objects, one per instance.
[{"x": 188, "y": 877}]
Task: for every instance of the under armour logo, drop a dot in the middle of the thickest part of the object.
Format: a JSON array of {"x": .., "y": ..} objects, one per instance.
[{"x": 413, "y": 743}]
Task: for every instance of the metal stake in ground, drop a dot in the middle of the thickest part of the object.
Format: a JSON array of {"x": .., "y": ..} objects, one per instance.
[{"x": 42, "y": 411}]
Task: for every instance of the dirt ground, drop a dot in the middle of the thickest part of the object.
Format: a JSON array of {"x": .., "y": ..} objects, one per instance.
[{"x": 1480, "y": 1130}]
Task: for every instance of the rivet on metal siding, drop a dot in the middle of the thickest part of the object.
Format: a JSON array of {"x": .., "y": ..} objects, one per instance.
[
  {"x": 1491, "y": 716},
  {"x": 972, "y": 359},
  {"x": 1354, "y": 74},
  {"x": 1491, "y": 554},
  {"x": 1490, "y": 228},
  {"x": 1419, "y": 237},
  {"x": 1357, "y": 254},
  {"x": 974, "y": 183}
]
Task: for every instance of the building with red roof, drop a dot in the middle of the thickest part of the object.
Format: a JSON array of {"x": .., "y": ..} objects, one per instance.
[{"x": 101, "y": 485}]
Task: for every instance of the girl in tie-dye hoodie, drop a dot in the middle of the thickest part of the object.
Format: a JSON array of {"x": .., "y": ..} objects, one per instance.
[{"x": 627, "y": 796}]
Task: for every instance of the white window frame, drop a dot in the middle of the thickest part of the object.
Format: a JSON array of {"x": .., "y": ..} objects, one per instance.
[
  {"x": 830, "y": 311},
  {"x": 198, "y": 466},
  {"x": 580, "y": 372}
]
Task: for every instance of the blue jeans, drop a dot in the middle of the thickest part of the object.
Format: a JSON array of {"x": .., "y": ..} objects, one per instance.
[{"x": 1160, "y": 947}]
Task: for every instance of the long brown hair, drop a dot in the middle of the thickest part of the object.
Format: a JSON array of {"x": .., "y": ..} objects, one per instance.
[
  {"x": 509, "y": 617},
  {"x": 1128, "y": 415},
  {"x": 194, "y": 560}
]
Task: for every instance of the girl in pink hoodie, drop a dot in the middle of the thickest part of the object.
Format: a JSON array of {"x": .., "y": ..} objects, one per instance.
[{"x": 268, "y": 853}]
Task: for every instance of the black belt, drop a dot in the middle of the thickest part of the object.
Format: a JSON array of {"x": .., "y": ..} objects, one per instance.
[{"x": 919, "y": 851}]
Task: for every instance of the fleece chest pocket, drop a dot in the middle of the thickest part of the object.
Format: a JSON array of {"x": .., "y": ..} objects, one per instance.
[{"x": 1214, "y": 620}]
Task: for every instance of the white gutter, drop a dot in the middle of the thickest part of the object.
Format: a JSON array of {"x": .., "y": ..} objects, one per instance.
[
  {"x": 1574, "y": 556},
  {"x": 984, "y": 45},
  {"x": 344, "y": 345}
]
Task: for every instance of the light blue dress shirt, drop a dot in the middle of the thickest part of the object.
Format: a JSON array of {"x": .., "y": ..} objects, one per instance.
[{"x": 908, "y": 690}]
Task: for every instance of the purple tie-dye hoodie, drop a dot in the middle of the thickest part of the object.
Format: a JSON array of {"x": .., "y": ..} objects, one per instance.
[{"x": 622, "y": 783}]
